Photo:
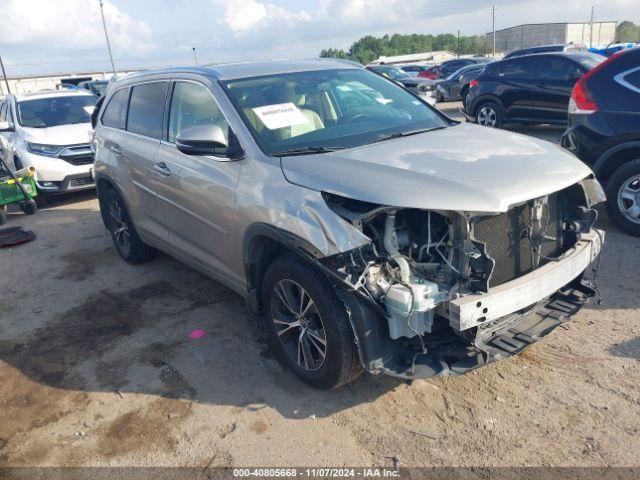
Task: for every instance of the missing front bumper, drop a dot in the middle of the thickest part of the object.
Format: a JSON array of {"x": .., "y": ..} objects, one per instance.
[
  {"x": 454, "y": 356},
  {"x": 480, "y": 309}
]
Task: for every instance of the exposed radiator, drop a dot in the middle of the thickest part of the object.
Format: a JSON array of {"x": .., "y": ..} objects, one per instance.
[{"x": 508, "y": 243}]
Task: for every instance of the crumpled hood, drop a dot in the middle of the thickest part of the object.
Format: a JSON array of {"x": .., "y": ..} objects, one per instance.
[
  {"x": 71, "y": 134},
  {"x": 464, "y": 168}
]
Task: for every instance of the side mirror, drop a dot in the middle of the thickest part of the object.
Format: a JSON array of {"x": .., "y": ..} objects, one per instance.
[
  {"x": 7, "y": 127},
  {"x": 201, "y": 140}
]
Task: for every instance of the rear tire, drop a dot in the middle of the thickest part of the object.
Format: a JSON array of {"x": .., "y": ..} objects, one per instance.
[
  {"x": 489, "y": 114},
  {"x": 123, "y": 233},
  {"x": 302, "y": 311},
  {"x": 623, "y": 197}
]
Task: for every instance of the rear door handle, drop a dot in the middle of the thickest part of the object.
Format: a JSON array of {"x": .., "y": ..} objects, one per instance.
[
  {"x": 116, "y": 149},
  {"x": 162, "y": 169}
]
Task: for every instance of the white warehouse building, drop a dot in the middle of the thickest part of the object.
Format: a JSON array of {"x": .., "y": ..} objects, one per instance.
[{"x": 536, "y": 34}]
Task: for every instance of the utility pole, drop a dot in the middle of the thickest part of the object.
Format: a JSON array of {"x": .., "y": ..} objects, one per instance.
[
  {"x": 106, "y": 36},
  {"x": 4, "y": 75},
  {"x": 458, "y": 43},
  {"x": 591, "y": 29},
  {"x": 493, "y": 28},
  {"x": 195, "y": 57}
]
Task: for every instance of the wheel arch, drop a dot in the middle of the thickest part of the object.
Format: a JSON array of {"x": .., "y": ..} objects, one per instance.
[
  {"x": 262, "y": 244},
  {"x": 104, "y": 183},
  {"x": 487, "y": 97},
  {"x": 614, "y": 158}
]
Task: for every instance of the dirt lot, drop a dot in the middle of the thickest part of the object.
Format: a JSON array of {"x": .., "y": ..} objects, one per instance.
[{"x": 97, "y": 367}]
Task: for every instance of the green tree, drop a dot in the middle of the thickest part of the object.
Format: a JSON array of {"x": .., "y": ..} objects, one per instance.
[
  {"x": 628, "y": 32},
  {"x": 369, "y": 48}
]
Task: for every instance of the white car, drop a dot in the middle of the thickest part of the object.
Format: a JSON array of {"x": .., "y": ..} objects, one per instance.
[{"x": 50, "y": 131}]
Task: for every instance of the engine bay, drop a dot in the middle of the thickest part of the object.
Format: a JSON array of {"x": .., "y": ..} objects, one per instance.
[{"x": 420, "y": 260}]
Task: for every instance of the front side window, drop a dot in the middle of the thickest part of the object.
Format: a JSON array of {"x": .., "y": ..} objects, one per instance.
[
  {"x": 193, "y": 105},
  {"x": 520, "y": 69},
  {"x": 327, "y": 109},
  {"x": 145, "y": 109},
  {"x": 54, "y": 111},
  {"x": 115, "y": 114},
  {"x": 558, "y": 69}
]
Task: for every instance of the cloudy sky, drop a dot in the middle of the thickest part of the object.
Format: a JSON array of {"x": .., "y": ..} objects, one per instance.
[{"x": 46, "y": 36}]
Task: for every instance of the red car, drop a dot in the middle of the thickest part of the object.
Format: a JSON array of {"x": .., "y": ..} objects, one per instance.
[{"x": 430, "y": 73}]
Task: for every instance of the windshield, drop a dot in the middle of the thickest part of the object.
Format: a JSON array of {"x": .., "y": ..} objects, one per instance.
[
  {"x": 54, "y": 111},
  {"x": 327, "y": 109}
]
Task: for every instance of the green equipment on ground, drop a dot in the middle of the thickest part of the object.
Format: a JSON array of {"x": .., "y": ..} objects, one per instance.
[{"x": 19, "y": 187}]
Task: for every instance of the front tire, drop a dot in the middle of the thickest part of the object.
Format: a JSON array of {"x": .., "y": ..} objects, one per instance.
[
  {"x": 125, "y": 238},
  {"x": 623, "y": 197},
  {"x": 489, "y": 114},
  {"x": 28, "y": 207},
  {"x": 308, "y": 324}
]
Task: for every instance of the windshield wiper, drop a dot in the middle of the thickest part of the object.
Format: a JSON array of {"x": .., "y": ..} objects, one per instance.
[
  {"x": 310, "y": 150},
  {"x": 391, "y": 136}
]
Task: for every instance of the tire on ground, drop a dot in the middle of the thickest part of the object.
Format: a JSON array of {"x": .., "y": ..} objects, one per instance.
[
  {"x": 139, "y": 252},
  {"x": 495, "y": 107},
  {"x": 341, "y": 364}
]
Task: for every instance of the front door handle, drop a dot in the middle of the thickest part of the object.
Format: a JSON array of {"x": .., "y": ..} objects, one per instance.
[
  {"x": 116, "y": 149},
  {"x": 162, "y": 169}
]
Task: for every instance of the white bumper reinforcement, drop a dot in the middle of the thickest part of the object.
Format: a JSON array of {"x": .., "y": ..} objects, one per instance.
[{"x": 477, "y": 309}]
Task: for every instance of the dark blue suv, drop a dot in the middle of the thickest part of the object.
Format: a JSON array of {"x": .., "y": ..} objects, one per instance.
[
  {"x": 532, "y": 89},
  {"x": 604, "y": 132}
]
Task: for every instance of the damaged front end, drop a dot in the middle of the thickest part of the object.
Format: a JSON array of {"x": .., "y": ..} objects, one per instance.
[{"x": 443, "y": 292}]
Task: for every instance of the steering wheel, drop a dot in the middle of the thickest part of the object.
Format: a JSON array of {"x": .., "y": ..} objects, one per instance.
[{"x": 355, "y": 118}]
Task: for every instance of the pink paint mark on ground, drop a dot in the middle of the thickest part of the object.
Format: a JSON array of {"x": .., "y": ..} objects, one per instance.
[{"x": 197, "y": 334}]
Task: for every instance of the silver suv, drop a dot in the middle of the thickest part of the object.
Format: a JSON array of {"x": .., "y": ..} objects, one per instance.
[{"x": 372, "y": 231}]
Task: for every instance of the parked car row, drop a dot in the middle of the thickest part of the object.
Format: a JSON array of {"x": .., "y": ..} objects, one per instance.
[
  {"x": 422, "y": 87},
  {"x": 456, "y": 86},
  {"x": 436, "y": 72},
  {"x": 599, "y": 100}
]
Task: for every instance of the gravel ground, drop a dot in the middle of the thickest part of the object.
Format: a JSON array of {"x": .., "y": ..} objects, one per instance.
[{"x": 97, "y": 368}]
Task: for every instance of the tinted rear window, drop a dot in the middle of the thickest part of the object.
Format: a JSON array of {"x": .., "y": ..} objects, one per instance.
[
  {"x": 115, "y": 113},
  {"x": 145, "y": 109}
]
